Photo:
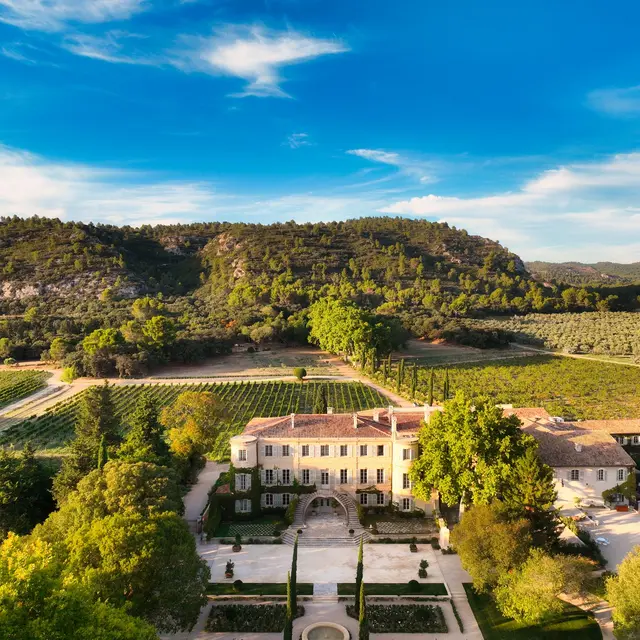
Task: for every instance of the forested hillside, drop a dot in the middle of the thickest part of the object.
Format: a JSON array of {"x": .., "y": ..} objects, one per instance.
[
  {"x": 578, "y": 273},
  {"x": 105, "y": 299}
]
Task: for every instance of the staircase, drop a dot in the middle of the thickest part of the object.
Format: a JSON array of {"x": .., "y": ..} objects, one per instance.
[{"x": 309, "y": 539}]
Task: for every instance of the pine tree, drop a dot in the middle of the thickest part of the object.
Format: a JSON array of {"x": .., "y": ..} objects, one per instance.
[
  {"x": 363, "y": 629},
  {"x": 103, "y": 454},
  {"x": 145, "y": 441},
  {"x": 359, "y": 573},
  {"x": 431, "y": 382}
]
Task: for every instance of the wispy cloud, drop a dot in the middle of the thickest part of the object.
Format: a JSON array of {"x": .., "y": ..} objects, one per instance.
[
  {"x": 108, "y": 48},
  {"x": 253, "y": 53},
  {"x": 297, "y": 140},
  {"x": 616, "y": 102},
  {"x": 56, "y": 15},
  {"x": 590, "y": 205},
  {"x": 410, "y": 166}
]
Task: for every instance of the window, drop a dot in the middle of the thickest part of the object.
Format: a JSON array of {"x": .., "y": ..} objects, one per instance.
[
  {"x": 268, "y": 476},
  {"x": 242, "y": 455},
  {"x": 324, "y": 477},
  {"x": 243, "y": 506},
  {"x": 285, "y": 451},
  {"x": 344, "y": 450},
  {"x": 286, "y": 476},
  {"x": 620, "y": 475},
  {"x": 364, "y": 499},
  {"x": 406, "y": 504},
  {"x": 241, "y": 481},
  {"x": 324, "y": 449},
  {"x": 306, "y": 476},
  {"x": 380, "y": 449},
  {"x": 380, "y": 476},
  {"x": 406, "y": 482},
  {"x": 363, "y": 449},
  {"x": 380, "y": 499},
  {"x": 600, "y": 475},
  {"x": 344, "y": 476},
  {"x": 575, "y": 474},
  {"x": 407, "y": 454},
  {"x": 305, "y": 449},
  {"x": 364, "y": 476},
  {"x": 268, "y": 450},
  {"x": 636, "y": 439},
  {"x": 268, "y": 499},
  {"x": 286, "y": 499}
]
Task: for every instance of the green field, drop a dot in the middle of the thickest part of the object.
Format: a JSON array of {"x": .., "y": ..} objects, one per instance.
[
  {"x": 572, "y": 624},
  {"x": 15, "y": 385},
  {"x": 244, "y": 400},
  {"x": 568, "y": 387}
]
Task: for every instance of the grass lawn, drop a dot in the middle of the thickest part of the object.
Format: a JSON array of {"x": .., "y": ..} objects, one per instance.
[
  {"x": 262, "y": 526},
  {"x": 572, "y": 624},
  {"x": 393, "y": 589},
  {"x": 258, "y": 589}
]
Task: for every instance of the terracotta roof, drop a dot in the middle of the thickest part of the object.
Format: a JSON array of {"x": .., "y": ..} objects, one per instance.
[
  {"x": 614, "y": 427},
  {"x": 224, "y": 488},
  {"x": 557, "y": 446}
]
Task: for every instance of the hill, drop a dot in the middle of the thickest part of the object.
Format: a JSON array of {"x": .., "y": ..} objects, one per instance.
[{"x": 578, "y": 273}]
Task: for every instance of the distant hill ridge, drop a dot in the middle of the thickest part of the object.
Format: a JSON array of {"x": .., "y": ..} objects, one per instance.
[{"x": 579, "y": 273}]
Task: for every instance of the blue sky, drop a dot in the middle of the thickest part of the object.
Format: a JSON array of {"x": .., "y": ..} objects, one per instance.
[{"x": 519, "y": 121}]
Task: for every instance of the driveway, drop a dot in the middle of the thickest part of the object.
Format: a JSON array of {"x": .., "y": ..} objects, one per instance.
[{"x": 622, "y": 530}]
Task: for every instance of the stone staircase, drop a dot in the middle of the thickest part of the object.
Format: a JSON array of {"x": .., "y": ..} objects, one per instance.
[{"x": 311, "y": 538}]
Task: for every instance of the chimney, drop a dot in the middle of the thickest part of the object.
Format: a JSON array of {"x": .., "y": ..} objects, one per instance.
[
  {"x": 330, "y": 411},
  {"x": 293, "y": 420},
  {"x": 578, "y": 447},
  {"x": 394, "y": 426},
  {"x": 376, "y": 415},
  {"x": 390, "y": 410},
  {"x": 426, "y": 413},
  {"x": 355, "y": 420}
]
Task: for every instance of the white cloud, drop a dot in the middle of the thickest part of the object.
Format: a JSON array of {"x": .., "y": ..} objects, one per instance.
[
  {"x": 616, "y": 102},
  {"x": 108, "y": 48},
  {"x": 254, "y": 53},
  {"x": 55, "y": 15},
  {"x": 594, "y": 205},
  {"x": 416, "y": 168},
  {"x": 297, "y": 140}
]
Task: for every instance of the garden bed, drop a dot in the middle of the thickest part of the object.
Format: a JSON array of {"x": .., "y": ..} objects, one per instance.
[
  {"x": 572, "y": 624},
  {"x": 257, "y": 589},
  {"x": 403, "y": 618},
  {"x": 249, "y": 618},
  {"x": 261, "y": 526},
  {"x": 395, "y": 589}
]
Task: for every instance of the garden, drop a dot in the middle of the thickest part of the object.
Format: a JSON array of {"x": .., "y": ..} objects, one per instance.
[
  {"x": 15, "y": 385},
  {"x": 403, "y": 618},
  {"x": 249, "y": 618},
  {"x": 245, "y": 400},
  {"x": 412, "y": 588}
]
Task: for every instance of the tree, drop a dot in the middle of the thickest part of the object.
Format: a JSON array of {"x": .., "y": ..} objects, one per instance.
[
  {"x": 359, "y": 574},
  {"x": 58, "y": 349},
  {"x": 291, "y": 609},
  {"x": 531, "y": 494},
  {"x": 144, "y": 309},
  {"x": 103, "y": 454},
  {"x": 320, "y": 402},
  {"x": 36, "y": 604},
  {"x": 414, "y": 380},
  {"x": 530, "y": 593},
  {"x": 300, "y": 373},
  {"x": 102, "y": 340},
  {"x": 96, "y": 419},
  {"x": 158, "y": 332},
  {"x": 400, "y": 375},
  {"x": 25, "y": 491},
  {"x": 467, "y": 452},
  {"x": 69, "y": 374},
  {"x": 445, "y": 386},
  {"x": 5, "y": 348},
  {"x": 623, "y": 593},
  {"x": 490, "y": 544},
  {"x": 431, "y": 382},
  {"x": 293, "y": 603},
  {"x": 363, "y": 627},
  {"x": 145, "y": 439}
]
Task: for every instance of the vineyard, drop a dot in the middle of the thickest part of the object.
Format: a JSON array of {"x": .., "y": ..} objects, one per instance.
[
  {"x": 15, "y": 385},
  {"x": 568, "y": 387},
  {"x": 244, "y": 400},
  {"x": 606, "y": 333}
]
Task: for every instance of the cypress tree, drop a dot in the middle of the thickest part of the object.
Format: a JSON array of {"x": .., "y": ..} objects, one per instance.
[
  {"x": 389, "y": 365},
  {"x": 287, "y": 633},
  {"x": 103, "y": 454},
  {"x": 373, "y": 357},
  {"x": 320, "y": 399},
  {"x": 445, "y": 386},
  {"x": 400, "y": 377},
  {"x": 414, "y": 380},
  {"x": 294, "y": 578},
  {"x": 359, "y": 572},
  {"x": 431, "y": 381},
  {"x": 363, "y": 630}
]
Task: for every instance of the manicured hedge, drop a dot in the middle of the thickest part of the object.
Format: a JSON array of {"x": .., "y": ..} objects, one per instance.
[
  {"x": 394, "y": 589},
  {"x": 403, "y": 618},
  {"x": 258, "y": 589},
  {"x": 250, "y": 618}
]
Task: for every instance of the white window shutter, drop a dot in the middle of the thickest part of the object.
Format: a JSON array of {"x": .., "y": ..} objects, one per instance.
[
  {"x": 277, "y": 501},
  {"x": 263, "y": 500},
  {"x": 569, "y": 475},
  {"x": 312, "y": 476},
  {"x": 248, "y": 476},
  {"x": 261, "y": 451},
  {"x": 349, "y": 476},
  {"x": 238, "y": 507},
  {"x": 581, "y": 475},
  {"x": 605, "y": 474}
]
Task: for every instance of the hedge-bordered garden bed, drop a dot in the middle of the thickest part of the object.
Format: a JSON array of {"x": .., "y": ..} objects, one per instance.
[
  {"x": 395, "y": 589},
  {"x": 256, "y": 618},
  {"x": 403, "y": 618},
  {"x": 257, "y": 589}
]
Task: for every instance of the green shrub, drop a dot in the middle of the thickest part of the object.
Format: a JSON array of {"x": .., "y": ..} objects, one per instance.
[
  {"x": 403, "y": 618},
  {"x": 248, "y": 618}
]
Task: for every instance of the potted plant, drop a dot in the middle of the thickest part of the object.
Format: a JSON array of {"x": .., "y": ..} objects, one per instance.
[
  {"x": 300, "y": 531},
  {"x": 228, "y": 571},
  {"x": 238, "y": 543},
  {"x": 413, "y": 547},
  {"x": 422, "y": 572},
  {"x": 351, "y": 532}
]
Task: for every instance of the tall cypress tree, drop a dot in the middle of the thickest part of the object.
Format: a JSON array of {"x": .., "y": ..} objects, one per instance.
[
  {"x": 294, "y": 577},
  {"x": 103, "y": 454},
  {"x": 400, "y": 376},
  {"x": 446, "y": 384},
  {"x": 431, "y": 382},
  {"x": 287, "y": 633},
  {"x": 145, "y": 441},
  {"x": 363, "y": 629},
  {"x": 389, "y": 365},
  {"x": 414, "y": 380},
  {"x": 359, "y": 572}
]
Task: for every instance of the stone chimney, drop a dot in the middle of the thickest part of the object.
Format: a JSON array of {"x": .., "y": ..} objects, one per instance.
[
  {"x": 330, "y": 411},
  {"x": 390, "y": 409},
  {"x": 293, "y": 420},
  {"x": 394, "y": 426},
  {"x": 426, "y": 412},
  {"x": 578, "y": 447},
  {"x": 355, "y": 420},
  {"x": 376, "y": 415}
]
